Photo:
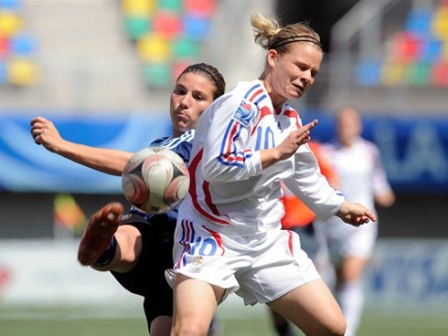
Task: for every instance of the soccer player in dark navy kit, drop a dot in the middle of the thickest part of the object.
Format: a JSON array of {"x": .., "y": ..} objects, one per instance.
[{"x": 137, "y": 247}]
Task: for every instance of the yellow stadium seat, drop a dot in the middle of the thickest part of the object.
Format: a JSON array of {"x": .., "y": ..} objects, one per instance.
[
  {"x": 393, "y": 74},
  {"x": 138, "y": 7},
  {"x": 154, "y": 48},
  {"x": 10, "y": 23},
  {"x": 22, "y": 72},
  {"x": 440, "y": 23}
]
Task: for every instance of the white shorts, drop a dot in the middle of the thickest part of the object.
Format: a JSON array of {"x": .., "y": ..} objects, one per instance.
[
  {"x": 259, "y": 268},
  {"x": 343, "y": 240}
]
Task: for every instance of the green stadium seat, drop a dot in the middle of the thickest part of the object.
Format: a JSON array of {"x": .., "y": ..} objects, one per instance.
[
  {"x": 418, "y": 74},
  {"x": 170, "y": 5},
  {"x": 157, "y": 74},
  {"x": 184, "y": 48},
  {"x": 137, "y": 26}
]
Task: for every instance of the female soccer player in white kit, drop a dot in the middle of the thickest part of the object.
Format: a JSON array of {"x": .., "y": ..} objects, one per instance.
[
  {"x": 228, "y": 236},
  {"x": 361, "y": 178}
]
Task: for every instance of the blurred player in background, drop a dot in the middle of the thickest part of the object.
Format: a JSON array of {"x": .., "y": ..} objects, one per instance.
[
  {"x": 361, "y": 179},
  {"x": 228, "y": 236},
  {"x": 137, "y": 248},
  {"x": 299, "y": 218}
]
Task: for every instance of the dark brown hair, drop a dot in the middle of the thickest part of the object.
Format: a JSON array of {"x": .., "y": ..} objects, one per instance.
[{"x": 211, "y": 73}]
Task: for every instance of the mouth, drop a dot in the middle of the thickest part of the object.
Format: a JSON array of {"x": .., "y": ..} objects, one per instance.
[
  {"x": 180, "y": 116},
  {"x": 300, "y": 88}
]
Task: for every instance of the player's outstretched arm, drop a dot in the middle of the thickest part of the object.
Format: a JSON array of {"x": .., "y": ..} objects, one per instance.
[
  {"x": 108, "y": 161},
  {"x": 355, "y": 214}
]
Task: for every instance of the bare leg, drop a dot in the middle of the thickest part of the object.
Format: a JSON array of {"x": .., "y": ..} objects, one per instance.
[
  {"x": 281, "y": 325},
  {"x": 312, "y": 308}
]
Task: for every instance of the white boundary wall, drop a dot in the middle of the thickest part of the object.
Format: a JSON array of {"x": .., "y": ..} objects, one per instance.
[{"x": 405, "y": 276}]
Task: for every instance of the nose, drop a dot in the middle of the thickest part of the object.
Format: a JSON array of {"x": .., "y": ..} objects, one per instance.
[
  {"x": 185, "y": 100},
  {"x": 306, "y": 78}
]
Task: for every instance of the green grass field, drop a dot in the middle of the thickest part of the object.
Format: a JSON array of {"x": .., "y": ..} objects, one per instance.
[{"x": 75, "y": 322}]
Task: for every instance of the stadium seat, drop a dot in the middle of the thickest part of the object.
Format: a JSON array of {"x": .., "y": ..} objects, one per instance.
[
  {"x": 201, "y": 8},
  {"x": 170, "y": 5},
  {"x": 440, "y": 23},
  {"x": 406, "y": 47},
  {"x": 10, "y": 23},
  {"x": 23, "y": 45},
  {"x": 430, "y": 50},
  {"x": 184, "y": 48},
  {"x": 178, "y": 67},
  {"x": 138, "y": 7},
  {"x": 393, "y": 73},
  {"x": 444, "y": 52},
  {"x": 419, "y": 21},
  {"x": 5, "y": 46},
  {"x": 137, "y": 26},
  {"x": 167, "y": 24},
  {"x": 196, "y": 27},
  {"x": 157, "y": 74},
  {"x": 22, "y": 72},
  {"x": 3, "y": 72},
  {"x": 154, "y": 48},
  {"x": 368, "y": 73},
  {"x": 439, "y": 74},
  {"x": 10, "y": 5},
  {"x": 418, "y": 74}
]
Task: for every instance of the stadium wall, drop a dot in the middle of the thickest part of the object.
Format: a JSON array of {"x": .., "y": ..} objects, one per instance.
[{"x": 406, "y": 276}]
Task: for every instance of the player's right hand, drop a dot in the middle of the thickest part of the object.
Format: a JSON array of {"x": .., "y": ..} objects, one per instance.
[
  {"x": 45, "y": 133},
  {"x": 295, "y": 139}
]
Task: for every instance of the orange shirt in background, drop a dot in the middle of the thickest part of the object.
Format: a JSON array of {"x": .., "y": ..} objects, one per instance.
[{"x": 296, "y": 212}]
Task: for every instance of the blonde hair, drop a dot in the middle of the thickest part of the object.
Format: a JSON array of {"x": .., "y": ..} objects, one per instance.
[{"x": 270, "y": 35}]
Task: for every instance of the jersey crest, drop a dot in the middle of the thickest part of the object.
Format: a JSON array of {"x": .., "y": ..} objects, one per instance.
[{"x": 245, "y": 113}]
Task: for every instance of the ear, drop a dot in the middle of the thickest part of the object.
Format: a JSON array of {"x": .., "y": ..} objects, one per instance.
[{"x": 272, "y": 57}]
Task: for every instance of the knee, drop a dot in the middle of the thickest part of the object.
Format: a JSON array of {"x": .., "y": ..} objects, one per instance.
[
  {"x": 190, "y": 329},
  {"x": 338, "y": 329}
]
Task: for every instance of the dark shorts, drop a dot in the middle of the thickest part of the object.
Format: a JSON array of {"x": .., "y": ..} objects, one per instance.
[{"x": 147, "y": 278}]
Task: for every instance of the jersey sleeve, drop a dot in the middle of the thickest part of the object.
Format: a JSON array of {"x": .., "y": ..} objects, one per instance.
[
  {"x": 226, "y": 155},
  {"x": 311, "y": 186}
]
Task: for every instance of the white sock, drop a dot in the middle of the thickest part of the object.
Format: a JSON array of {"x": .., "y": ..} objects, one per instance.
[{"x": 351, "y": 300}]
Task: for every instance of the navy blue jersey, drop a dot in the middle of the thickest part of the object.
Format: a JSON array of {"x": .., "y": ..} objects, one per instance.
[{"x": 147, "y": 278}]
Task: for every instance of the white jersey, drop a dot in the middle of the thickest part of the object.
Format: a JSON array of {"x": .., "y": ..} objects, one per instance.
[
  {"x": 361, "y": 176},
  {"x": 361, "y": 173},
  {"x": 228, "y": 186}
]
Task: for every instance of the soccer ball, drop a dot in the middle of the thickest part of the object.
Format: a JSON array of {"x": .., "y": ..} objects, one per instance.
[{"x": 155, "y": 180}]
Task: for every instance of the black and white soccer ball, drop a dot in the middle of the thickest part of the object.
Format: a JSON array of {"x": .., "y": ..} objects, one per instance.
[{"x": 155, "y": 180}]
